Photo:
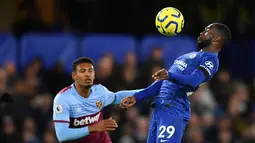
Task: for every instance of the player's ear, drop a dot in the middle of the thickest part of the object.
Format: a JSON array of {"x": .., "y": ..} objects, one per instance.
[
  {"x": 73, "y": 75},
  {"x": 94, "y": 75},
  {"x": 217, "y": 39}
]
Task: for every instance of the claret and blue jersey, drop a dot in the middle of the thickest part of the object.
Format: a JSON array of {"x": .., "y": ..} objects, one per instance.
[
  {"x": 79, "y": 112},
  {"x": 72, "y": 113}
]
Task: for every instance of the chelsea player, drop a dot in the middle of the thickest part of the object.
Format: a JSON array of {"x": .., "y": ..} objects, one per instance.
[{"x": 172, "y": 107}]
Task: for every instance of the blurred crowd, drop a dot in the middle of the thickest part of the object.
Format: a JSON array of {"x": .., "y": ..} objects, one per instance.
[
  {"x": 222, "y": 110},
  {"x": 136, "y": 17}
]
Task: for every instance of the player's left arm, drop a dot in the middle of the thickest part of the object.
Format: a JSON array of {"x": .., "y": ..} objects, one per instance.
[
  {"x": 203, "y": 73},
  {"x": 116, "y": 97}
]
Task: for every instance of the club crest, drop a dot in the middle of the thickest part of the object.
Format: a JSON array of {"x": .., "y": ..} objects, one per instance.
[{"x": 99, "y": 104}]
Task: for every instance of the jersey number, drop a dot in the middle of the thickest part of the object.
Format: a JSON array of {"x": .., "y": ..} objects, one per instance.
[{"x": 169, "y": 129}]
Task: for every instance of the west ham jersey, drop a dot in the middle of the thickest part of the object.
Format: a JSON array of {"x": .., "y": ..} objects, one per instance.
[{"x": 80, "y": 112}]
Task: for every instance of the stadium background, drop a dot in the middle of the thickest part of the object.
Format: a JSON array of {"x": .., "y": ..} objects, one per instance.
[{"x": 127, "y": 49}]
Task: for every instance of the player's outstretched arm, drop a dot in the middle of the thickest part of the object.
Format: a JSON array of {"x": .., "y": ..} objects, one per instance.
[
  {"x": 150, "y": 91},
  {"x": 120, "y": 95},
  {"x": 116, "y": 98}
]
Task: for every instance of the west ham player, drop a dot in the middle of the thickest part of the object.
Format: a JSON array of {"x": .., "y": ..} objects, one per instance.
[
  {"x": 77, "y": 109},
  {"x": 172, "y": 107}
]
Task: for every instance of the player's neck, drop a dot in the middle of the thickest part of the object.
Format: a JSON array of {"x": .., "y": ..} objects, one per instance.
[
  {"x": 83, "y": 91},
  {"x": 210, "y": 49}
]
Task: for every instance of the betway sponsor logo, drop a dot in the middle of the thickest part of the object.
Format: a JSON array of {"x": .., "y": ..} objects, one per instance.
[{"x": 87, "y": 120}]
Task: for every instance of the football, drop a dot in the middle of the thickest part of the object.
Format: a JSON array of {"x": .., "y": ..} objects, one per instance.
[{"x": 169, "y": 21}]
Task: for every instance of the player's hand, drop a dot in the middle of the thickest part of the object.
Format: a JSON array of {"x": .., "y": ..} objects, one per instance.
[
  {"x": 160, "y": 75},
  {"x": 103, "y": 125},
  {"x": 128, "y": 102}
]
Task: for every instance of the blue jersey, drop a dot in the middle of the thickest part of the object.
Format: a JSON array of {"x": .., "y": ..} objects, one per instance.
[
  {"x": 177, "y": 95},
  {"x": 172, "y": 107}
]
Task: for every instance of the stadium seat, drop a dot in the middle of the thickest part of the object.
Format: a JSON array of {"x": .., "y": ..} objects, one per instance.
[
  {"x": 50, "y": 47},
  {"x": 7, "y": 49},
  {"x": 95, "y": 46},
  {"x": 172, "y": 47}
]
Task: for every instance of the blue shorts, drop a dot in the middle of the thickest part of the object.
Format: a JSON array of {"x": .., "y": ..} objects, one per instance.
[{"x": 166, "y": 126}]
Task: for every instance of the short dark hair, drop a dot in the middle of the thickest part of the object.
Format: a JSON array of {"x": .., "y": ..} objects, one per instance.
[
  {"x": 81, "y": 60},
  {"x": 224, "y": 31}
]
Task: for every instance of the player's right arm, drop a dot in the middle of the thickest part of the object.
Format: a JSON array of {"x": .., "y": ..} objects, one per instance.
[
  {"x": 61, "y": 118},
  {"x": 207, "y": 68}
]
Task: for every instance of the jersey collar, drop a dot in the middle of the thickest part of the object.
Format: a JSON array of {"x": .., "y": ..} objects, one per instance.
[{"x": 76, "y": 93}]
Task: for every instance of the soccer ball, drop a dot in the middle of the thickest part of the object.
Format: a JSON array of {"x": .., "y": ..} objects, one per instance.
[{"x": 169, "y": 21}]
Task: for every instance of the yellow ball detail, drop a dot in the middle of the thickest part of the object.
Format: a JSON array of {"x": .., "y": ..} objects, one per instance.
[{"x": 169, "y": 21}]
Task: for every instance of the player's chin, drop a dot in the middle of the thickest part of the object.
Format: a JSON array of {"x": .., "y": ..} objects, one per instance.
[
  {"x": 88, "y": 84},
  {"x": 199, "y": 40}
]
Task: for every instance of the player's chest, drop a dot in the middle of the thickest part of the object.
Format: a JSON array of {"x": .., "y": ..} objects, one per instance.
[
  {"x": 186, "y": 63},
  {"x": 85, "y": 107}
]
